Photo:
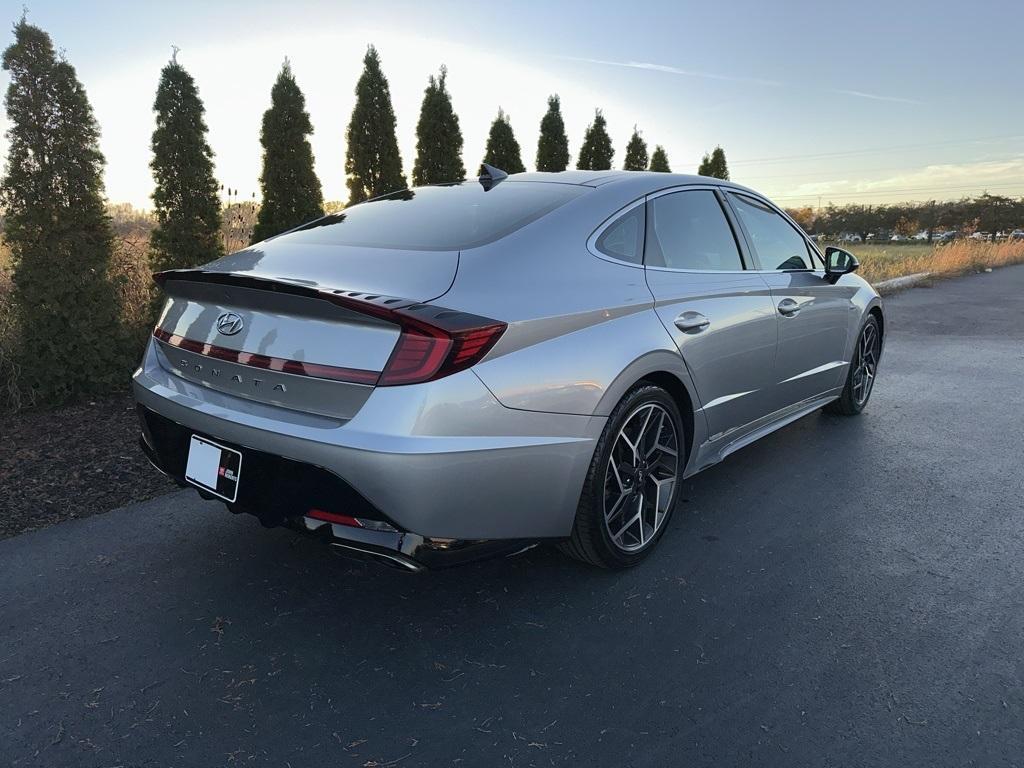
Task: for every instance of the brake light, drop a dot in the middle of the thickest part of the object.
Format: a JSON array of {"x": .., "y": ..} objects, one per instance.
[
  {"x": 334, "y": 517},
  {"x": 434, "y": 341},
  {"x": 426, "y": 351}
]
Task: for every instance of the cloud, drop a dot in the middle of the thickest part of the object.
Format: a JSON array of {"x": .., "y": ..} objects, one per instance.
[
  {"x": 675, "y": 71},
  {"x": 938, "y": 180},
  {"x": 874, "y": 96},
  {"x": 666, "y": 68}
]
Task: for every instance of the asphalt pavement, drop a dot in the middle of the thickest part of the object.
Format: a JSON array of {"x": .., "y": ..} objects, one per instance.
[{"x": 845, "y": 592}]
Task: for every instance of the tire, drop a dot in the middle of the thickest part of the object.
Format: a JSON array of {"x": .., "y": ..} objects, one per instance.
[
  {"x": 612, "y": 483},
  {"x": 864, "y": 362}
]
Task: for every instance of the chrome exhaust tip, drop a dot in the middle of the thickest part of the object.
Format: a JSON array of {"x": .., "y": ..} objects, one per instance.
[{"x": 382, "y": 558}]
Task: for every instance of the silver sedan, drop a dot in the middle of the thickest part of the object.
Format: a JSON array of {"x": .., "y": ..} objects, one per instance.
[{"x": 453, "y": 371}]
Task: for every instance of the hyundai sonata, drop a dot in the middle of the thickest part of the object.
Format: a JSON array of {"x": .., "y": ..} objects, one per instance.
[{"x": 465, "y": 369}]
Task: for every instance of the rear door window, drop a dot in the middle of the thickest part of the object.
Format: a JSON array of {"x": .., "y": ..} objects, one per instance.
[{"x": 688, "y": 230}]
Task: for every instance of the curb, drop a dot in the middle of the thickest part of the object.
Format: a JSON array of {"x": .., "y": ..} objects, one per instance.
[{"x": 899, "y": 283}]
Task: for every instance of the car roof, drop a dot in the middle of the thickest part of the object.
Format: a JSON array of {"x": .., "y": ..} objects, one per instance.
[{"x": 640, "y": 182}]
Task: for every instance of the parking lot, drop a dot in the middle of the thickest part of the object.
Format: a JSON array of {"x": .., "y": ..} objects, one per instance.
[{"x": 844, "y": 592}]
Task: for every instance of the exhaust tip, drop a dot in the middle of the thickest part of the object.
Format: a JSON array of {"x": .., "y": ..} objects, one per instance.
[{"x": 381, "y": 558}]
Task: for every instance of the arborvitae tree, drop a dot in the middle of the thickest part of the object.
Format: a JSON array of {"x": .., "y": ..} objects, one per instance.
[
  {"x": 597, "y": 152},
  {"x": 438, "y": 137},
  {"x": 659, "y": 160},
  {"x": 185, "y": 195},
  {"x": 65, "y": 308},
  {"x": 372, "y": 162},
  {"x": 714, "y": 165},
  {"x": 553, "y": 145},
  {"x": 636, "y": 153},
  {"x": 502, "y": 148},
  {"x": 291, "y": 190}
]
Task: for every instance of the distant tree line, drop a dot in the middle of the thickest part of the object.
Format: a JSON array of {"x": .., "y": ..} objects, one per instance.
[{"x": 988, "y": 214}]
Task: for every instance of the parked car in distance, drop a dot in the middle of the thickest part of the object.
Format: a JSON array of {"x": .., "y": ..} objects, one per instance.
[
  {"x": 1017, "y": 234},
  {"x": 461, "y": 370},
  {"x": 898, "y": 238}
]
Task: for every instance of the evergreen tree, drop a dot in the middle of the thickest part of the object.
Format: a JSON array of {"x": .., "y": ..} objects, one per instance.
[
  {"x": 597, "y": 152},
  {"x": 659, "y": 160},
  {"x": 185, "y": 195},
  {"x": 57, "y": 229},
  {"x": 291, "y": 190},
  {"x": 553, "y": 145},
  {"x": 372, "y": 161},
  {"x": 502, "y": 148},
  {"x": 714, "y": 165},
  {"x": 636, "y": 153},
  {"x": 438, "y": 137}
]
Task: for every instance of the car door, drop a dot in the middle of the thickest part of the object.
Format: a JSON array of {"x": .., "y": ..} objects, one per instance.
[
  {"x": 813, "y": 315},
  {"x": 719, "y": 313}
]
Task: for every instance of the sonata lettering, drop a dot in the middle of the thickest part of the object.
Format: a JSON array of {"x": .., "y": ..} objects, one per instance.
[{"x": 235, "y": 378}]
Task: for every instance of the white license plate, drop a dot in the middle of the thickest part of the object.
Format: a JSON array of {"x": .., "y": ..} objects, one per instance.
[{"x": 214, "y": 468}]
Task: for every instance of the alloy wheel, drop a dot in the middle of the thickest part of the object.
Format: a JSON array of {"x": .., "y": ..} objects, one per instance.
[
  {"x": 640, "y": 478},
  {"x": 865, "y": 364}
]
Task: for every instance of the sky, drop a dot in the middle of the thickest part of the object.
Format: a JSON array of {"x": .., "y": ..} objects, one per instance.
[{"x": 813, "y": 102}]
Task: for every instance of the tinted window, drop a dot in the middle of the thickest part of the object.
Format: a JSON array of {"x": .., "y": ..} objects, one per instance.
[
  {"x": 624, "y": 239},
  {"x": 688, "y": 230},
  {"x": 443, "y": 218},
  {"x": 777, "y": 243}
]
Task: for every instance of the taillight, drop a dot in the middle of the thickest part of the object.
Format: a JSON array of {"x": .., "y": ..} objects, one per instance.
[
  {"x": 426, "y": 351},
  {"x": 434, "y": 341}
]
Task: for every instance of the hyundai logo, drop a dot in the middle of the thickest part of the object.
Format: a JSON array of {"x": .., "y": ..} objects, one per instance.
[{"x": 229, "y": 323}]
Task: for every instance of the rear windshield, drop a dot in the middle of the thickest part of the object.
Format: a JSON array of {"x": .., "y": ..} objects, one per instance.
[{"x": 450, "y": 217}]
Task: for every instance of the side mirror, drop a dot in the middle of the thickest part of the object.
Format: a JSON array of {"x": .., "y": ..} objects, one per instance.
[{"x": 838, "y": 263}]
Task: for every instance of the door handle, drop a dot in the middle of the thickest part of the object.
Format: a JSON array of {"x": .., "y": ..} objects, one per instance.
[
  {"x": 788, "y": 307},
  {"x": 691, "y": 322}
]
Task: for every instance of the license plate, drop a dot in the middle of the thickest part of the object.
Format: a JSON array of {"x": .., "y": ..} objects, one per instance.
[{"x": 213, "y": 468}]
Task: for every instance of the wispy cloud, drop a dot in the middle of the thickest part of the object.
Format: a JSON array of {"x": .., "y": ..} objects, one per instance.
[
  {"x": 668, "y": 69},
  {"x": 675, "y": 71},
  {"x": 874, "y": 96}
]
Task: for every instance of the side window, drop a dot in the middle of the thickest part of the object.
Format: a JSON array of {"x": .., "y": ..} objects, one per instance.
[
  {"x": 688, "y": 230},
  {"x": 777, "y": 244},
  {"x": 624, "y": 238}
]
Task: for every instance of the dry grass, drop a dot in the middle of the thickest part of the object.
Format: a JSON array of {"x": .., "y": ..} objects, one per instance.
[{"x": 883, "y": 262}]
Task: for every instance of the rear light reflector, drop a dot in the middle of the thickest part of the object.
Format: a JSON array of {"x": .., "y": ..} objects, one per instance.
[
  {"x": 333, "y": 517},
  {"x": 267, "y": 363}
]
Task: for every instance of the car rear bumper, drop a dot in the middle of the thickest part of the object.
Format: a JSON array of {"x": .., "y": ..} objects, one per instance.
[{"x": 438, "y": 461}]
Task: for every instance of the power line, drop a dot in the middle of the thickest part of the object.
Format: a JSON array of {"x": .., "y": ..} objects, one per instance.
[
  {"x": 873, "y": 150},
  {"x": 925, "y": 190},
  {"x": 889, "y": 168}
]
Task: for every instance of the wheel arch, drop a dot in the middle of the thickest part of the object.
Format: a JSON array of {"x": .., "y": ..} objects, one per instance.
[{"x": 667, "y": 371}]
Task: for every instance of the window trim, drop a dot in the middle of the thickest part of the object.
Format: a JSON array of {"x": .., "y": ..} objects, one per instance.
[{"x": 727, "y": 213}]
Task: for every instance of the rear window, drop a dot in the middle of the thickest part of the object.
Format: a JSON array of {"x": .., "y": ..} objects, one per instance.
[{"x": 443, "y": 218}]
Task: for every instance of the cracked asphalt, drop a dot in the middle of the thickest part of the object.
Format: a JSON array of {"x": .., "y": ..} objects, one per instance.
[{"x": 845, "y": 592}]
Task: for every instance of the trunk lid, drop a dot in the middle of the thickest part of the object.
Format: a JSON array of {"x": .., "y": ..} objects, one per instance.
[{"x": 265, "y": 324}]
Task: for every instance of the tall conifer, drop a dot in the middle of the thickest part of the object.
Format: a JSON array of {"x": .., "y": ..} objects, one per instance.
[
  {"x": 438, "y": 137},
  {"x": 291, "y": 190},
  {"x": 553, "y": 145},
  {"x": 636, "y": 153},
  {"x": 66, "y": 309},
  {"x": 597, "y": 152},
  {"x": 185, "y": 197},
  {"x": 372, "y": 161},
  {"x": 502, "y": 148},
  {"x": 659, "y": 160}
]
